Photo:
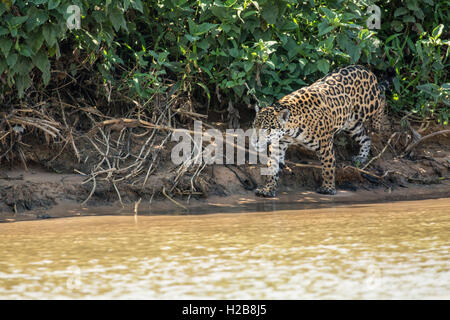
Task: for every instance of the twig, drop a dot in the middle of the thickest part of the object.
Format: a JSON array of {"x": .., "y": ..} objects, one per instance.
[
  {"x": 189, "y": 113},
  {"x": 415, "y": 144},
  {"x": 304, "y": 165},
  {"x": 136, "y": 206},
  {"x": 118, "y": 194},
  {"x": 381, "y": 153},
  {"x": 363, "y": 171},
  {"x": 172, "y": 200},
  {"x": 92, "y": 191}
]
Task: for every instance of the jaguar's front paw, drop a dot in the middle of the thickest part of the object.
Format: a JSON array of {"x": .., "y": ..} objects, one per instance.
[
  {"x": 326, "y": 190},
  {"x": 265, "y": 192}
]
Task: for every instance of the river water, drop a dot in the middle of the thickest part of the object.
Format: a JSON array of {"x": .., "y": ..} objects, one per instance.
[{"x": 377, "y": 251}]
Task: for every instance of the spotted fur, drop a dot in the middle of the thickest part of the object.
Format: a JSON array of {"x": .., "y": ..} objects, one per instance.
[{"x": 341, "y": 101}]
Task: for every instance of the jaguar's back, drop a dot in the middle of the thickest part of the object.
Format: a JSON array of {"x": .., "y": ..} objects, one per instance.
[{"x": 346, "y": 95}]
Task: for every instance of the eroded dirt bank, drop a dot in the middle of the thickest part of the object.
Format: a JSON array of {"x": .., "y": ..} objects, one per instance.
[
  {"x": 38, "y": 193},
  {"x": 57, "y": 186}
]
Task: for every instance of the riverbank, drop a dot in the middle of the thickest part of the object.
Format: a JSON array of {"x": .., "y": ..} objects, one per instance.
[
  {"x": 54, "y": 190},
  {"x": 41, "y": 195}
]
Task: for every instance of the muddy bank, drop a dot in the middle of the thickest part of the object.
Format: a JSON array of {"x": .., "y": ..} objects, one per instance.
[
  {"x": 38, "y": 194},
  {"x": 57, "y": 188}
]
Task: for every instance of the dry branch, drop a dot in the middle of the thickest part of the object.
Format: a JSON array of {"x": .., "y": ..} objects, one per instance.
[
  {"x": 415, "y": 144},
  {"x": 382, "y": 151}
]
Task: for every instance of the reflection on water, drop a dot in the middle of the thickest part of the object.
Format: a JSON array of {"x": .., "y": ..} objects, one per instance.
[{"x": 393, "y": 250}]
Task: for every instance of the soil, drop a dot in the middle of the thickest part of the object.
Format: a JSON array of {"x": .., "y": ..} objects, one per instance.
[{"x": 42, "y": 191}]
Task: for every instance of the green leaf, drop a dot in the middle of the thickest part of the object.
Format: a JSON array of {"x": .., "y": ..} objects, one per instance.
[
  {"x": 36, "y": 18},
  {"x": 50, "y": 34},
  {"x": 446, "y": 86},
  {"x": 412, "y": 5},
  {"x": 17, "y": 20},
  {"x": 41, "y": 61},
  {"x": 220, "y": 12},
  {"x": 204, "y": 28},
  {"x": 343, "y": 41},
  {"x": 291, "y": 47},
  {"x": 397, "y": 25},
  {"x": 205, "y": 88},
  {"x": 409, "y": 18},
  {"x": 419, "y": 14},
  {"x": 400, "y": 11},
  {"x": 302, "y": 62},
  {"x": 117, "y": 19},
  {"x": 225, "y": 27},
  {"x": 3, "y": 66},
  {"x": 354, "y": 52},
  {"x": 35, "y": 41},
  {"x": 324, "y": 28},
  {"x": 248, "y": 65},
  {"x": 429, "y": 88},
  {"x": 24, "y": 65},
  {"x": 137, "y": 4},
  {"x": 3, "y": 8},
  {"x": 3, "y": 31},
  {"x": 270, "y": 13},
  {"x": 270, "y": 64},
  {"x": 52, "y": 4},
  {"x": 11, "y": 60},
  {"x": 329, "y": 14},
  {"x": 396, "y": 84},
  {"x": 5, "y": 46},
  {"x": 289, "y": 26},
  {"x": 204, "y": 44},
  {"x": 191, "y": 38},
  {"x": 437, "y": 31},
  {"x": 26, "y": 51},
  {"x": 419, "y": 50},
  {"x": 323, "y": 66},
  {"x": 292, "y": 67},
  {"x": 23, "y": 82}
]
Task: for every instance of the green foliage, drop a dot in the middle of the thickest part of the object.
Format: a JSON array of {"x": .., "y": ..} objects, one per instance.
[
  {"x": 245, "y": 48},
  {"x": 233, "y": 49},
  {"x": 31, "y": 33},
  {"x": 419, "y": 48}
]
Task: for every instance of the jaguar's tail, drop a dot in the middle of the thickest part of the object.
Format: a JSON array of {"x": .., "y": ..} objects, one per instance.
[{"x": 386, "y": 83}]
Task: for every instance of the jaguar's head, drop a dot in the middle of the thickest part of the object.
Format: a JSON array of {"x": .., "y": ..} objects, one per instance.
[{"x": 269, "y": 126}]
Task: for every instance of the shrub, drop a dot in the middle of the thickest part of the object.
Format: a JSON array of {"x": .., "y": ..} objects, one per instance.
[{"x": 221, "y": 51}]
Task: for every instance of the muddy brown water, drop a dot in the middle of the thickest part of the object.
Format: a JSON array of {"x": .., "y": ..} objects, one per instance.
[{"x": 377, "y": 251}]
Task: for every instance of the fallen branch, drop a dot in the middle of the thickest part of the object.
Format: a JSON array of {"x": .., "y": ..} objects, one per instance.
[
  {"x": 172, "y": 200},
  {"x": 189, "y": 113},
  {"x": 363, "y": 171},
  {"x": 301, "y": 165},
  {"x": 415, "y": 144},
  {"x": 92, "y": 191}
]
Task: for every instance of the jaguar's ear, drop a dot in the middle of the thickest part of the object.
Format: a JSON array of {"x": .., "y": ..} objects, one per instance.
[
  {"x": 256, "y": 107},
  {"x": 283, "y": 115}
]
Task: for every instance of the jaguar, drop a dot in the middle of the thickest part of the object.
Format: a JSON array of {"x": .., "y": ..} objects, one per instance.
[{"x": 343, "y": 100}]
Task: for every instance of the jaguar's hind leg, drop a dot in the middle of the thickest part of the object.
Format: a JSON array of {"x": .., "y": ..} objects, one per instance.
[
  {"x": 359, "y": 133},
  {"x": 380, "y": 123}
]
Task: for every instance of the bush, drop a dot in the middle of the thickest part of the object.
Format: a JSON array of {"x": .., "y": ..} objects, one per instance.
[{"x": 218, "y": 52}]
